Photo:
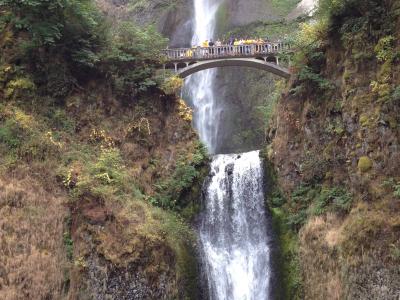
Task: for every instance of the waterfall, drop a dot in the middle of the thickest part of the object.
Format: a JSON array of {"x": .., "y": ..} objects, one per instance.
[
  {"x": 233, "y": 230},
  {"x": 200, "y": 86}
]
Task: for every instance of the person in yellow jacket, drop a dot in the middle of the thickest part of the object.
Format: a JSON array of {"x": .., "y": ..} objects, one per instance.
[
  {"x": 204, "y": 44},
  {"x": 189, "y": 53}
]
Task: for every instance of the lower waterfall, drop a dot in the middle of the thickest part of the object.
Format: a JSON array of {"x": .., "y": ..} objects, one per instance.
[{"x": 233, "y": 230}]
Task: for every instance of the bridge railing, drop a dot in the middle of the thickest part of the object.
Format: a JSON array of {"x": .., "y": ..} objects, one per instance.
[{"x": 249, "y": 50}]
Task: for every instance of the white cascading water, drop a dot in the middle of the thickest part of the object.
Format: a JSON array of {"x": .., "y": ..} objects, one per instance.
[
  {"x": 233, "y": 226},
  {"x": 206, "y": 111},
  {"x": 233, "y": 230}
]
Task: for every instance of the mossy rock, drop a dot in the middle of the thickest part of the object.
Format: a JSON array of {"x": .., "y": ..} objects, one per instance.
[{"x": 364, "y": 164}]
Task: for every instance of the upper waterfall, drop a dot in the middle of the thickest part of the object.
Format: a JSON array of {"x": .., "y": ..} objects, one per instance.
[{"x": 200, "y": 86}]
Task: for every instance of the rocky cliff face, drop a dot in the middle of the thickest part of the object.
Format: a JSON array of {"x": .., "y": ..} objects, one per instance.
[
  {"x": 127, "y": 248},
  {"x": 336, "y": 150},
  {"x": 172, "y": 18}
]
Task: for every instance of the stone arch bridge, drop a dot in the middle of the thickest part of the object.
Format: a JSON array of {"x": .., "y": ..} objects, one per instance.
[{"x": 263, "y": 56}]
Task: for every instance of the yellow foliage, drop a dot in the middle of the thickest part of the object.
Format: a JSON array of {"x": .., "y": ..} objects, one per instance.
[
  {"x": 50, "y": 137},
  {"x": 100, "y": 136},
  {"x": 383, "y": 90},
  {"x": 24, "y": 120},
  {"x": 185, "y": 112},
  {"x": 172, "y": 85},
  {"x": 311, "y": 33},
  {"x": 141, "y": 125},
  {"x": 18, "y": 85}
]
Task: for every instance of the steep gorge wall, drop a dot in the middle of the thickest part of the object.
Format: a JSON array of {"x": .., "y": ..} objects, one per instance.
[
  {"x": 172, "y": 18},
  {"x": 336, "y": 153}
]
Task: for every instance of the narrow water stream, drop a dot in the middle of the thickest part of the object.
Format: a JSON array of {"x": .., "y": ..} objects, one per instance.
[
  {"x": 200, "y": 86},
  {"x": 233, "y": 227}
]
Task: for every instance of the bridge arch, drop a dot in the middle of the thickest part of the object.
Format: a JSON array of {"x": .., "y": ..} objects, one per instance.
[{"x": 234, "y": 62}]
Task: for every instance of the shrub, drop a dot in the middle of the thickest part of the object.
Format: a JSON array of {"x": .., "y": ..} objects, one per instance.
[
  {"x": 385, "y": 48},
  {"x": 396, "y": 94},
  {"x": 277, "y": 199},
  {"x": 69, "y": 28},
  {"x": 309, "y": 75},
  {"x": 10, "y": 134},
  {"x": 72, "y": 35},
  {"x": 172, "y": 85},
  {"x": 297, "y": 220},
  {"x": 185, "y": 112},
  {"x": 19, "y": 88},
  {"x": 300, "y": 200},
  {"x": 364, "y": 164},
  {"x": 186, "y": 172},
  {"x": 337, "y": 197},
  {"x": 130, "y": 58},
  {"x": 104, "y": 176},
  {"x": 309, "y": 200},
  {"x": 396, "y": 188}
]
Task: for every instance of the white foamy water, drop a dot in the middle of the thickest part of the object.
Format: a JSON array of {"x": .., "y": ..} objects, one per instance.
[{"x": 233, "y": 230}]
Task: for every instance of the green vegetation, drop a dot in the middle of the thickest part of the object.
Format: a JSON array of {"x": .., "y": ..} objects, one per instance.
[
  {"x": 172, "y": 85},
  {"x": 274, "y": 30},
  {"x": 309, "y": 200},
  {"x": 338, "y": 199},
  {"x": 289, "y": 265},
  {"x": 187, "y": 171},
  {"x": 69, "y": 245},
  {"x": 288, "y": 256},
  {"x": 283, "y": 7},
  {"x": 73, "y": 36},
  {"x": 269, "y": 108}
]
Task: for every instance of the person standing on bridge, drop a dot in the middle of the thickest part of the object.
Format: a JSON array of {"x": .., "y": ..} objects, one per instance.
[
  {"x": 211, "y": 45},
  {"x": 204, "y": 52},
  {"x": 218, "y": 44}
]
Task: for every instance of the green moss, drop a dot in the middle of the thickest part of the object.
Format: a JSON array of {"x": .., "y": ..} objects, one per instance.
[
  {"x": 289, "y": 265},
  {"x": 364, "y": 164},
  {"x": 287, "y": 260}
]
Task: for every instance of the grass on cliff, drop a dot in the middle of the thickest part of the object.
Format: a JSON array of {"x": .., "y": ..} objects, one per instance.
[
  {"x": 81, "y": 120},
  {"x": 93, "y": 172}
]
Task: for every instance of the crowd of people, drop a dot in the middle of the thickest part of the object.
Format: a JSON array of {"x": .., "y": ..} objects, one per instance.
[
  {"x": 229, "y": 47},
  {"x": 234, "y": 42}
]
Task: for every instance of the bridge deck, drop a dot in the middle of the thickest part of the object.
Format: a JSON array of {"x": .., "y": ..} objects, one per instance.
[{"x": 189, "y": 55}]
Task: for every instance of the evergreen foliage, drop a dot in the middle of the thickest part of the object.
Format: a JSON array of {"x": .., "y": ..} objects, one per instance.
[{"x": 61, "y": 44}]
